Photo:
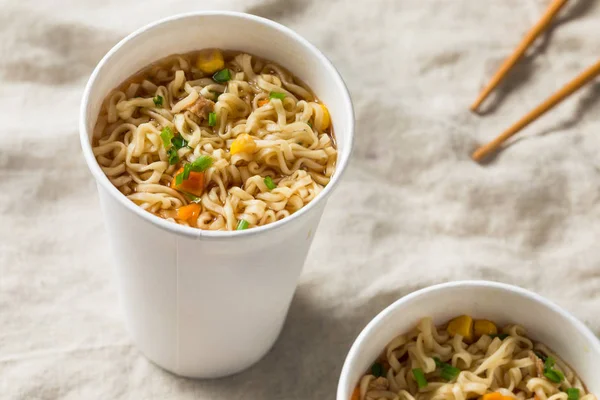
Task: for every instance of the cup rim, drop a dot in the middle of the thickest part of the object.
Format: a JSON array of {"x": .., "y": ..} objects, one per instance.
[
  {"x": 382, "y": 316},
  {"x": 183, "y": 230}
]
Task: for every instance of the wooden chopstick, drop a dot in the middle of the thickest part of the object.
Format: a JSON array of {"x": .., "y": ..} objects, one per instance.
[
  {"x": 553, "y": 100},
  {"x": 537, "y": 29}
]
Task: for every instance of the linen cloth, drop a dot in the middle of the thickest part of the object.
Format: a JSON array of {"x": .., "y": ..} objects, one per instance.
[{"x": 413, "y": 209}]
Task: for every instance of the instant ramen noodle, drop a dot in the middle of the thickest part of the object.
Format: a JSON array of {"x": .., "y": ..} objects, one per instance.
[
  {"x": 216, "y": 140},
  {"x": 469, "y": 359}
]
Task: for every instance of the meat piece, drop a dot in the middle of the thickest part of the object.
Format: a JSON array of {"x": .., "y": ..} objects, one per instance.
[
  {"x": 539, "y": 364},
  {"x": 202, "y": 107}
]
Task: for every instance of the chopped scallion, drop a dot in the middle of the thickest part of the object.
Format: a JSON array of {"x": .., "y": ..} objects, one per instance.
[
  {"x": 166, "y": 135},
  {"x": 222, "y": 76},
  {"x": 186, "y": 171},
  {"x": 540, "y": 356},
  {"x": 158, "y": 100},
  {"x": 309, "y": 124},
  {"x": 179, "y": 142},
  {"x": 419, "y": 377},
  {"x": 500, "y": 336},
  {"x": 276, "y": 95},
  {"x": 448, "y": 372},
  {"x": 243, "y": 224},
  {"x": 549, "y": 363},
  {"x": 179, "y": 179},
  {"x": 191, "y": 197},
  {"x": 212, "y": 119},
  {"x": 573, "y": 393},
  {"x": 201, "y": 164},
  {"x": 554, "y": 375},
  {"x": 377, "y": 370},
  {"x": 173, "y": 156},
  {"x": 269, "y": 182}
]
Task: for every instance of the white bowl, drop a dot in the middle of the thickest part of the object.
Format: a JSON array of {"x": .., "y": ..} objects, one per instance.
[
  {"x": 544, "y": 321},
  {"x": 204, "y": 303}
]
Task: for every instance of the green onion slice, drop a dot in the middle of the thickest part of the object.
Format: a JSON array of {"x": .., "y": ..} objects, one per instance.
[
  {"x": 186, "y": 171},
  {"x": 158, "y": 100},
  {"x": 173, "y": 156},
  {"x": 540, "y": 356},
  {"x": 243, "y": 224},
  {"x": 166, "y": 135},
  {"x": 573, "y": 393},
  {"x": 309, "y": 124},
  {"x": 419, "y": 377},
  {"x": 222, "y": 76},
  {"x": 179, "y": 179},
  {"x": 554, "y": 375},
  {"x": 212, "y": 119},
  {"x": 500, "y": 336},
  {"x": 201, "y": 164},
  {"x": 179, "y": 142},
  {"x": 191, "y": 197},
  {"x": 377, "y": 370},
  {"x": 549, "y": 363},
  {"x": 449, "y": 372},
  {"x": 276, "y": 95},
  {"x": 269, "y": 182}
]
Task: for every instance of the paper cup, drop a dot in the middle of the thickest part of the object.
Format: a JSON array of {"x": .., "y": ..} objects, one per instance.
[
  {"x": 543, "y": 320},
  {"x": 199, "y": 303}
]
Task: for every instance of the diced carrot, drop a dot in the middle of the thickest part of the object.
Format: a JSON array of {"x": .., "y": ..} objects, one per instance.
[
  {"x": 193, "y": 185},
  {"x": 189, "y": 212},
  {"x": 263, "y": 102},
  {"x": 495, "y": 396},
  {"x": 356, "y": 394}
]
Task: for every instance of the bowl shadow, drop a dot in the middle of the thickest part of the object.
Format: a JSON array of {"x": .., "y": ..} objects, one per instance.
[{"x": 306, "y": 361}]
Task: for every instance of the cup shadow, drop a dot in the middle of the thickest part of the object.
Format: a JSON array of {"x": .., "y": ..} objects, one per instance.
[
  {"x": 307, "y": 359},
  {"x": 524, "y": 69}
]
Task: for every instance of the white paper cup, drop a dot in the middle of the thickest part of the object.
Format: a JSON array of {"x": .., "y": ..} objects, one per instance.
[
  {"x": 544, "y": 321},
  {"x": 203, "y": 303}
]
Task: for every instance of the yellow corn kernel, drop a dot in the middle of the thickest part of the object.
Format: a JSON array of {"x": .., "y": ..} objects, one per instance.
[
  {"x": 210, "y": 61},
  {"x": 463, "y": 326},
  {"x": 484, "y": 327},
  {"x": 326, "y": 121},
  {"x": 243, "y": 144}
]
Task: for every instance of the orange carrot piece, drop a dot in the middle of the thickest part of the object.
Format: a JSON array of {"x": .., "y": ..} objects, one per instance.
[
  {"x": 356, "y": 394},
  {"x": 189, "y": 212},
  {"x": 193, "y": 185}
]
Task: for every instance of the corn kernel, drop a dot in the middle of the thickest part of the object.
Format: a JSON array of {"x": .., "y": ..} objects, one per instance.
[
  {"x": 463, "y": 326},
  {"x": 484, "y": 327},
  {"x": 326, "y": 121},
  {"x": 210, "y": 61},
  {"x": 243, "y": 144}
]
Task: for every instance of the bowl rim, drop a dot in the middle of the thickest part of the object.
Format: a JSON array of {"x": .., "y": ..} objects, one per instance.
[
  {"x": 195, "y": 233},
  {"x": 375, "y": 323}
]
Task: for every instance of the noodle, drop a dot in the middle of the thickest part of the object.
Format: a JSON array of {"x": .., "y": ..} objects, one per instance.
[
  {"x": 459, "y": 362},
  {"x": 258, "y": 144}
]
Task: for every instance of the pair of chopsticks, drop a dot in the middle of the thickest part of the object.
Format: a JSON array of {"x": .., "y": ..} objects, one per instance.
[{"x": 586, "y": 76}]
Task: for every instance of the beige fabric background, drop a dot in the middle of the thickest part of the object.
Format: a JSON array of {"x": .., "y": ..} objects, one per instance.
[{"x": 413, "y": 210}]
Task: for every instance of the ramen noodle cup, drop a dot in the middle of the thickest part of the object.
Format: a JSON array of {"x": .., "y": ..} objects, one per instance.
[
  {"x": 543, "y": 320},
  {"x": 200, "y": 303}
]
